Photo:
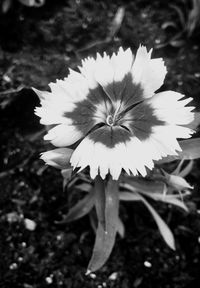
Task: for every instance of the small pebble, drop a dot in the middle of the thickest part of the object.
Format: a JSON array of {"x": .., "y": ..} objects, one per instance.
[
  {"x": 157, "y": 41},
  {"x": 195, "y": 47},
  {"x": 144, "y": 15},
  {"x": 59, "y": 237},
  {"x": 23, "y": 244},
  {"x": 12, "y": 217},
  {"x": 6, "y": 78},
  {"x": 197, "y": 75},
  {"x": 113, "y": 276},
  {"x": 49, "y": 279},
  {"x": 30, "y": 224},
  {"x": 93, "y": 276},
  {"x": 13, "y": 266},
  {"x": 147, "y": 264}
]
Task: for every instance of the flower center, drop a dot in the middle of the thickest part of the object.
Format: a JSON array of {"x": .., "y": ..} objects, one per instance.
[{"x": 110, "y": 120}]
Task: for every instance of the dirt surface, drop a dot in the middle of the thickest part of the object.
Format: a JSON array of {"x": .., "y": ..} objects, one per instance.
[{"x": 37, "y": 45}]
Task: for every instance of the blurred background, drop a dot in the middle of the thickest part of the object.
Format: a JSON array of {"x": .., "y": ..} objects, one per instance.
[{"x": 39, "y": 41}]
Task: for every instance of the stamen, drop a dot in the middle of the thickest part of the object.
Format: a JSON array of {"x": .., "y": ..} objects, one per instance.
[{"x": 110, "y": 120}]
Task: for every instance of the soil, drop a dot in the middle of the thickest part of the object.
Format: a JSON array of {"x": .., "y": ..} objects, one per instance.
[{"x": 37, "y": 45}]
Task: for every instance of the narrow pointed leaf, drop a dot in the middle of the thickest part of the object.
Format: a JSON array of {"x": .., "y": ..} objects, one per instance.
[
  {"x": 196, "y": 122},
  {"x": 67, "y": 174},
  {"x": 162, "y": 226},
  {"x": 190, "y": 148},
  {"x": 190, "y": 151},
  {"x": 169, "y": 199},
  {"x": 185, "y": 171},
  {"x": 178, "y": 168},
  {"x": 79, "y": 210},
  {"x": 128, "y": 196},
  {"x": 144, "y": 185},
  {"x": 100, "y": 198},
  {"x": 157, "y": 196},
  {"x": 176, "y": 202},
  {"x": 105, "y": 239},
  {"x": 120, "y": 228},
  {"x": 84, "y": 187}
]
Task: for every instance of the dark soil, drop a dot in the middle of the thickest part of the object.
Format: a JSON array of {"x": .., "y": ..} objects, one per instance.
[{"x": 37, "y": 45}]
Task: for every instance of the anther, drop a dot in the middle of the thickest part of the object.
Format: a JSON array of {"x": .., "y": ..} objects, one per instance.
[{"x": 110, "y": 120}]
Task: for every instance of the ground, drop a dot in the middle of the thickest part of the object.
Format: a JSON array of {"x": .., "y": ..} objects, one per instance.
[{"x": 37, "y": 45}]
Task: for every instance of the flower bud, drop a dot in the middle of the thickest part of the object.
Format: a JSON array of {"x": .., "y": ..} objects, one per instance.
[
  {"x": 177, "y": 182},
  {"x": 58, "y": 158}
]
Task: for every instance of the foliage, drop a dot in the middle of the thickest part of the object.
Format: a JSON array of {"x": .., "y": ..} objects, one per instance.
[
  {"x": 6, "y": 4},
  {"x": 103, "y": 198},
  {"x": 185, "y": 23}
]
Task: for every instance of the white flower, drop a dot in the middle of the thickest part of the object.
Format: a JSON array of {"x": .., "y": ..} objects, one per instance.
[{"x": 112, "y": 115}]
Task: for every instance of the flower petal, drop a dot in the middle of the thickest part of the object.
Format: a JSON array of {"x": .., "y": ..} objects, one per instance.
[
  {"x": 63, "y": 135},
  {"x": 50, "y": 116},
  {"x": 87, "y": 70},
  {"x": 169, "y": 108},
  {"x": 104, "y": 71},
  {"x": 100, "y": 158},
  {"x": 150, "y": 73},
  {"x": 103, "y": 159},
  {"x": 122, "y": 63},
  {"x": 53, "y": 106}
]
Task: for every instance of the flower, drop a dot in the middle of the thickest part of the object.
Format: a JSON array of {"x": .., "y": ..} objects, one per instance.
[
  {"x": 58, "y": 158},
  {"x": 111, "y": 113}
]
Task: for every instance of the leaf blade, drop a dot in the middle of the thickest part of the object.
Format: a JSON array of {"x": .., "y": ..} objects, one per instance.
[
  {"x": 105, "y": 239},
  {"x": 80, "y": 209},
  {"x": 162, "y": 226},
  {"x": 190, "y": 151}
]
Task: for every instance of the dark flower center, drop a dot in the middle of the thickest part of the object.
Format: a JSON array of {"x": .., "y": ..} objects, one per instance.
[{"x": 121, "y": 111}]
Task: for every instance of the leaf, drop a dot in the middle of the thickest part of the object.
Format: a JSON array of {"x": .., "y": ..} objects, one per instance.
[
  {"x": 162, "y": 226},
  {"x": 6, "y": 5},
  {"x": 157, "y": 196},
  {"x": 185, "y": 171},
  {"x": 105, "y": 239},
  {"x": 190, "y": 151},
  {"x": 128, "y": 196},
  {"x": 120, "y": 228},
  {"x": 100, "y": 200},
  {"x": 117, "y": 22},
  {"x": 190, "y": 148},
  {"x": 196, "y": 122},
  {"x": 143, "y": 185},
  {"x": 177, "y": 43},
  {"x": 169, "y": 199},
  {"x": 67, "y": 174},
  {"x": 175, "y": 201},
  {"x": 84, "y": 187},
  {"x": 79, "y": 210},
  {"x": 169, "y": 24},
  {"x": 32, "y": 3},
  {"x": 180, "y": 15}
]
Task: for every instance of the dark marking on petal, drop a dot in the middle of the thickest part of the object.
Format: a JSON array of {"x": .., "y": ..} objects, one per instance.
[
  {"x": 126, "y": 90},
  {"x": 143, "y": 120},
  {"x": 110, "y": 136},
  {"x": 83, "y": 116},
  {"x": 132, "y": 101}
]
